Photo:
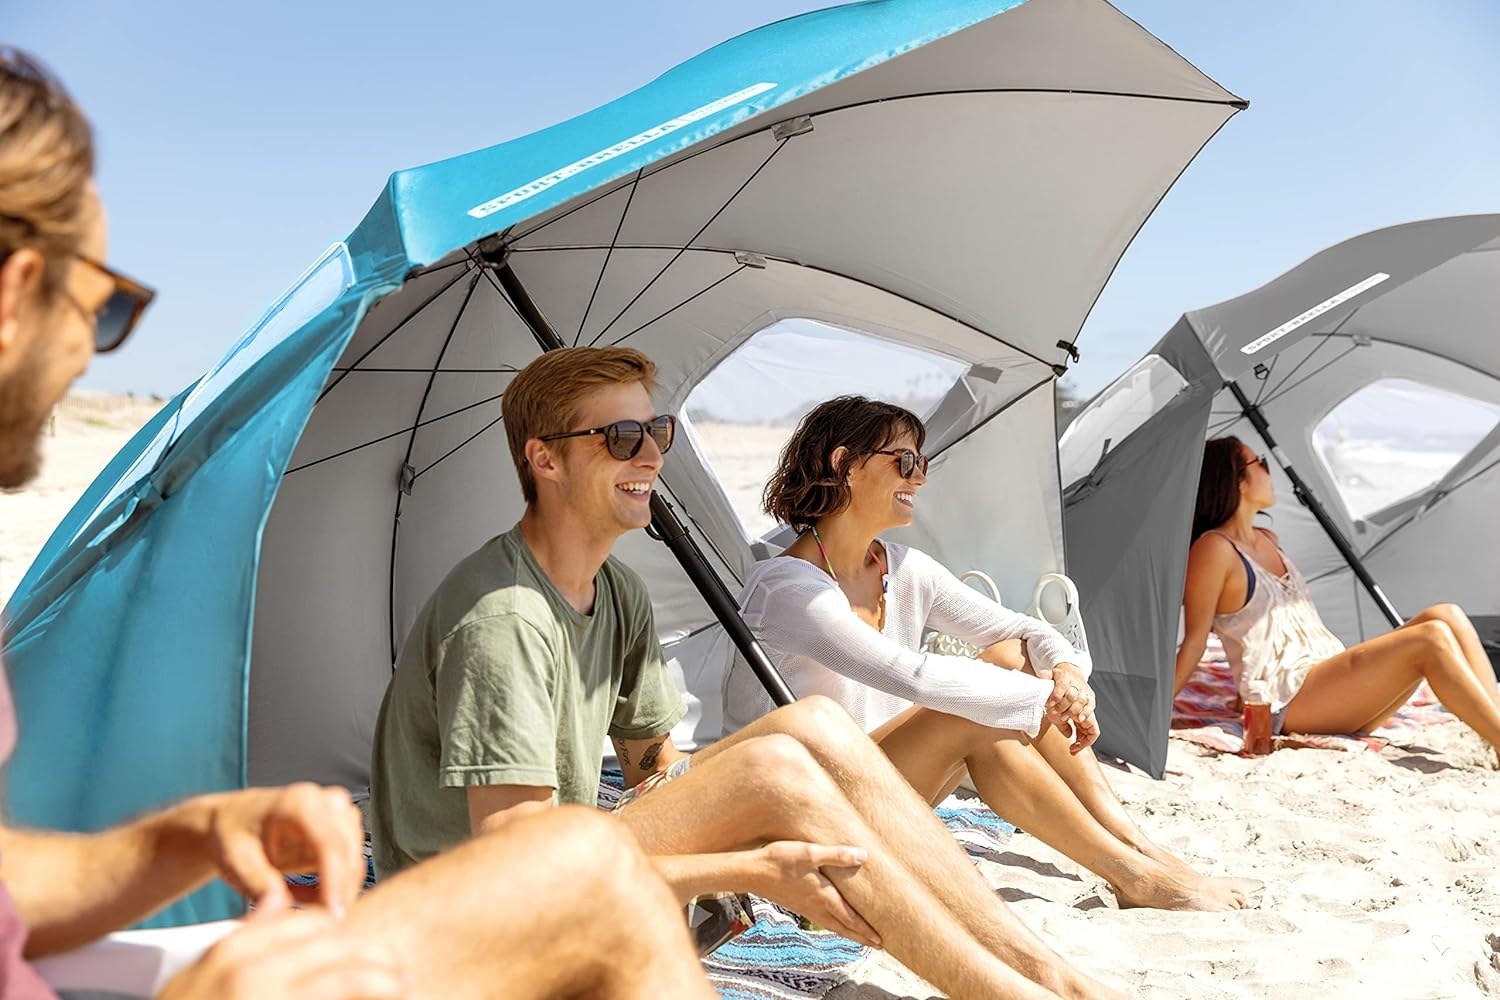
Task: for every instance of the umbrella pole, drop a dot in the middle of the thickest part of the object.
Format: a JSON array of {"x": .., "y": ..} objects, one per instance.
[
  {"x": 1305, "y": 494},
  {"x": 665, "y": 524}
]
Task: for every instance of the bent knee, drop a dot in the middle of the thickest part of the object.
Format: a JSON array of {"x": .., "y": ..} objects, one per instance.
[
  {"x": 815, "y": 721},
  {"x": 1436, "y": 635},
  {"x": 569, "y": 832},
  {"x": 1452, "y": 614},
  {"x": 780, "y": 756}
]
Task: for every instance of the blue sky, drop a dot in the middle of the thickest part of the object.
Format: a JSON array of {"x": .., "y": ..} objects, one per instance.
[{"x": 238, "y": 140}]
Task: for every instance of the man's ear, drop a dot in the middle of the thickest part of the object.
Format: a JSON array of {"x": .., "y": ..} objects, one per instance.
[
  {"x": 543, "y": 460},
  {"x": 20, "y": 284}
]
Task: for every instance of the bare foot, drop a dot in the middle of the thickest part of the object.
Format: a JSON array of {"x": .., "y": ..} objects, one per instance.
[
  {"x": 1153, "y": 886},
  {"x": 1243, "y": 889}
]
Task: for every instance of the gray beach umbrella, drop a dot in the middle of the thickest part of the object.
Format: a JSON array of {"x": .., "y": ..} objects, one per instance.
[{"x": 1370, "y": 377}]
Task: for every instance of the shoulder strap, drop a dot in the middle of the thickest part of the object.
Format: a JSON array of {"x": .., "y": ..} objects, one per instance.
[{"x": 1249, "y": 567}]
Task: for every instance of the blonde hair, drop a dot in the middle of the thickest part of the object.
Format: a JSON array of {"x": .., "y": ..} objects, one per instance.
[
  {"x": 545, "y": 396},
  {"x": 46, "y": 162}
]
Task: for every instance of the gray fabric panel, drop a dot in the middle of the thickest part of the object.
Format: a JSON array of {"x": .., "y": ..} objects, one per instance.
[
  {"x": 1402, "y": 252},
  {"x": 1488, "y": 627},
  {"x": 1127, "y": 538}
]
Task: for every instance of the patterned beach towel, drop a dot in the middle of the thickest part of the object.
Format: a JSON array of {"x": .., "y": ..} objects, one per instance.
[
  {"x": 776, "y": 959},
  {"x": 1207, "y": 712}
]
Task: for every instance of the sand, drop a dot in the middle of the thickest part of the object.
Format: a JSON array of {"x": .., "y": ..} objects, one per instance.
[{"x": 1381, "y": 868}]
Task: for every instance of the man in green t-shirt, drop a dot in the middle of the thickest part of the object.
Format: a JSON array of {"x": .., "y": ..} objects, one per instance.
[{"x": 539, "y": 644}]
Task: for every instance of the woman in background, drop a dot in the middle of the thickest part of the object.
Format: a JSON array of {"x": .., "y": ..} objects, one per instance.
[{"x": 1243, "y": 587}]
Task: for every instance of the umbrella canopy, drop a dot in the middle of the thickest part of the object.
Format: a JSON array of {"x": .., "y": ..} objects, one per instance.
[
  {"x": 1375, "y": 368},
  {"x": 957, "y": 176}
]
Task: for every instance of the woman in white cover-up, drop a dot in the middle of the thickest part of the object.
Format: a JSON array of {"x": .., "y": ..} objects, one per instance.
[
  {"x": 842, "y": 614},
  {"x": 1244, "y": 588}
]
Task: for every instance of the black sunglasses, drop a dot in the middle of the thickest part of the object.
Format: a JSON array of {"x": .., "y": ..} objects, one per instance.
[
  {"x": 624, "y": 438},
  {"x": 115, "y": 320},
  {"x": 1262, "y": 461},
  {"x": 907, "y": 461}
]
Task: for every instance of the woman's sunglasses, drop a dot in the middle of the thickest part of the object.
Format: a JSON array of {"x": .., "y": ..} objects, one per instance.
[
  {"x": 1262, "y": 461},
  {"x": 120, "y": 313},
  {"x": 907, "y": 461},
  {"x": 624, "y": 438}
]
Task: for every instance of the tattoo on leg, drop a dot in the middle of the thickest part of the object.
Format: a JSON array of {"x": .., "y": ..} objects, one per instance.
[
  {"x": 624, "y": 757},
  {"x": 648, "y": 759}
]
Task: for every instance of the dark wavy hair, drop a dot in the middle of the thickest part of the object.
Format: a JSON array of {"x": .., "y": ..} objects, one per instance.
[
  {"x": 1218, "y": 484},
  {"x": 807, "y": 484}
]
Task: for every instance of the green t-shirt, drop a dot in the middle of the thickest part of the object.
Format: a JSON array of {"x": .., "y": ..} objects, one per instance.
[{"x": 502, "y": 682}]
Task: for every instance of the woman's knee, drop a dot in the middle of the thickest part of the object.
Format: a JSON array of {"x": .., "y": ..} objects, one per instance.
[{"x": 1438, "y": 639}]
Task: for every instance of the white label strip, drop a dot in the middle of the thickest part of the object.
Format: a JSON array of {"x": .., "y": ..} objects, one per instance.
[
  {"x": 620, "y": 148},
  {"x": 1313, "y": 313}
]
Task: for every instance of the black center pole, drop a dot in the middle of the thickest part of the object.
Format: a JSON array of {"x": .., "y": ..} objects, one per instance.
[
  {"x": 665, "y": 523},
  {"x": 1305, "y": 495}
]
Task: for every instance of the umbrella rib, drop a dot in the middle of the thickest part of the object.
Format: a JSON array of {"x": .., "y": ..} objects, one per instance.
[
  {"x": 684, "y": 248},
  {"x": 411, "y": 442},
  {"x": 458, "y": 446},
  {"x": 615, "y": 239},
  {"x": 979, "y": 426},
  {"x": 1224, "y": 425},
  {"x": 1323, "y": 341},
  {"x": 659, "y": 166},
  {"x": 811, "y": 267},
  {"x": 392, "y": 434},
  {"x": 1312, "y": 374},
  {"x": 376, "y": 346},
  {"x": 1423, "y": 510},
  {"x": 507, "y": 370},
  {"x": 707, "y": 535},
  {"x": 932, "y": 309},
  {"x": 716, "y": 283}
]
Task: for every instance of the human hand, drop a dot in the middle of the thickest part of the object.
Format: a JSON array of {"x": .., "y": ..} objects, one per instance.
[
  {"x": 259, "y": 833},
  {"x": 292, "y": 955},
  {"x": 1071, "y": 704},
  {"x": 793, "y": 874}
]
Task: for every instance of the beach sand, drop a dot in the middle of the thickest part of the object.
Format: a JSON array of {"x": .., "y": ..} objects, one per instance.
[
  {"x": 1381, "y": 874},
  {"x": 1381, "y": 868}
]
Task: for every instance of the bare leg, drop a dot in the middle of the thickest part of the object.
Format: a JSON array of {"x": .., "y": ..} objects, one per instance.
[
  {"x": 1015, "y": 781},
  {"x": 769, "y": 789},
  {"x": 1357, "y": 689},
  {"x": 557, "y": 904},
  {"x": 1081, "y": 772},
  {"x": 1468, "y": 640},
  {"x": 908, "y": 829},
  {"x": 1083, "y": 775}
]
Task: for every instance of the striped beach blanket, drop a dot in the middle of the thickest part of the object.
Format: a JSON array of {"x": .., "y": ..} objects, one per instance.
[
  {"x": 1207, "y": 712},
  {"x": 776, "y": 959}
]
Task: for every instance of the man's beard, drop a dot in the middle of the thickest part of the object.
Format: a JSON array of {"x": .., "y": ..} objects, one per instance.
[{"x": 22, "y": 417}]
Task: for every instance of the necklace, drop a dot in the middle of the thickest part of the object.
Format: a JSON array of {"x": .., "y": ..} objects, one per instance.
[{"x": 885, "y": 578}]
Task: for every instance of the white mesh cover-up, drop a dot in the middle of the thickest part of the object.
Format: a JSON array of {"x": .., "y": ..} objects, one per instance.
[
  {"x": 1277, "y": 635},
  {"x": 821, "y": 646}
]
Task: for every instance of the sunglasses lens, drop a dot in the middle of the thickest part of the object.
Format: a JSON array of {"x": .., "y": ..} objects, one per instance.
[
  {"x": 114, "y": 321},
  {"x": 908, "y": 461},
  {"x": 663, "y": 430},
  {"x": 624, "y": 439}
]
